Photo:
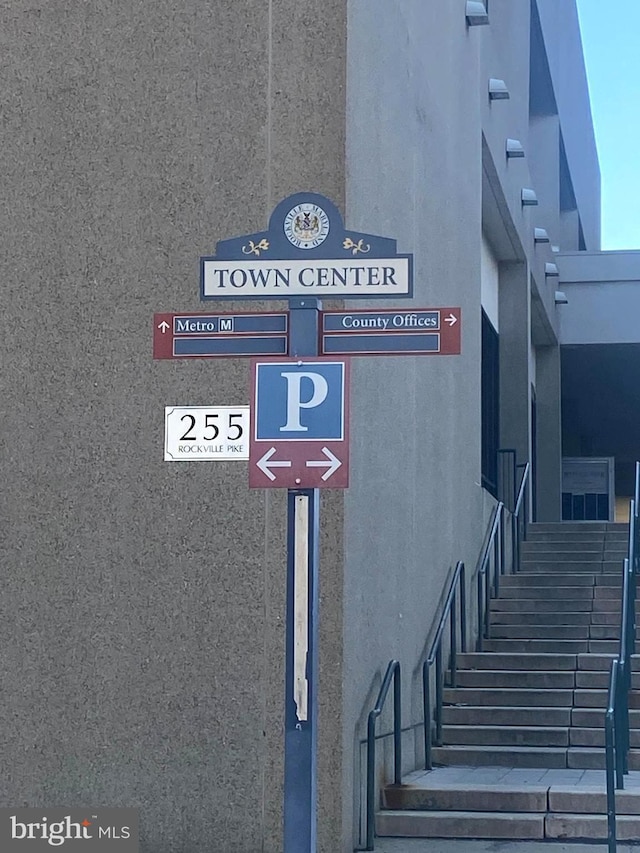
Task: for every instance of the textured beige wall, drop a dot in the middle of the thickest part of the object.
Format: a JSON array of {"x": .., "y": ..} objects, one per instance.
[{"x": 141, "y": 617}]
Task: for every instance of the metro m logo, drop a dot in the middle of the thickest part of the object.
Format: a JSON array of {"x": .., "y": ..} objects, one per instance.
[{"x": 226, "y": 324}]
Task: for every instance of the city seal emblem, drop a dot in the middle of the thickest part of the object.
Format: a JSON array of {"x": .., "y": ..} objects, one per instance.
[{"x": 306, "y": 226}]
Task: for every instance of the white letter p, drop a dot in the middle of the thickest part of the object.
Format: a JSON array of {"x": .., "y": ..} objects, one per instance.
[{"x": 295, "y": 403}]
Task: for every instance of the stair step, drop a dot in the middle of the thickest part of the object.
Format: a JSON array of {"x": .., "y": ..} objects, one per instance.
[
  {"x": 579, "y": 736},
  {"x": 493, "y": 661},
  {"x": 604, "y": 646},
  {"x": 532, "y": 646},
  {"x": 541, "y": 632},
  {"x": 460, "y": 824},
  {"x": 541, "y": 546},
  {"x": 503, "y": 697},
  {"x": 601, "y": 526},
  {"x": 508, "y": 736},
  {"x": 598, "y": 663},
  {"x": 613, "y": 605},
  {"x": 600, "y": 680},
  {"x": 578, "y": 527},
  {"x": 535, "y": 679},
  {"x": 474, "y": 798},
  {"x": 549, "y": 757},
  {"x": 590, "y": 718},
  {"x": 559, "y": 799},
  {"x": 560, "y": 618},
  {"x": 583, "y": 698},
  {"x": 566, "y": 537},
  {"x": 593, "y": 758},
  {"x": 565, "y": 592},
  {"x": 487, "y": 715},
  {"x": 519, "y": 679},
  {"x": 512, "y": 826},
  {"x": 609, "y": 617},
  {"x": 545, "y": 579},
  {"x": 611, "y": 578},
  {"x": 602, "y": 662},
  {"x": 596, "y": 566},
  {"x": 550, "y": 605},
  {"x": 605, "y": 591},
  {"x": 574, "y": 800},
  {"x": 590, "y": 827}
]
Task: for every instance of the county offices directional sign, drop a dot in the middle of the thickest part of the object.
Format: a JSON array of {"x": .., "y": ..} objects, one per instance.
[
  {"x": 306, "y": 252},
  {"x": 299, "y": 428},
  {"x": 425, "y": 331}
]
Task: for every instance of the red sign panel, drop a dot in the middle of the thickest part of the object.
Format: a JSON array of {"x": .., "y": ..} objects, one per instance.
[
  {"x": 421, "y": 331},
  {"x": 219, "y": 335}
]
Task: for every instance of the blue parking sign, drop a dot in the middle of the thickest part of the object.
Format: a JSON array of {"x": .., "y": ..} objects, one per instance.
[{"x": 299, "y": 401}]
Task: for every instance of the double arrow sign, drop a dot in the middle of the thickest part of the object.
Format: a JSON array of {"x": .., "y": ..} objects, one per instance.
[
  {"x": 428, "y": 331},
  {"x": 331, "y": 463}
]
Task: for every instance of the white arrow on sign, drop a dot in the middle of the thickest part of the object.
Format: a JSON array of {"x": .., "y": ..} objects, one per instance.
[
  {"x": 164, "y": 326},
  {"x": 331, "y": 465},
  {"x": 265, "y": 466},
  {"x": 451, "y": 319}
]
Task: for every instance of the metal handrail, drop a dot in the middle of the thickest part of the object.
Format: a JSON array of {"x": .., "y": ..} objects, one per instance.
[
  {"x": 485, "y": 583},
  {"x": 490, "y": 568},
  {"x": 458, "y": 581},
  {"x": 392, "y": 673},
  {"x": 521, "y": 504},
  {"x": 624, "y": 682},
  {"x": 507, "y": 495},
  {"x": 617, "y": 734},
  {"x": 610, "y": 749}
]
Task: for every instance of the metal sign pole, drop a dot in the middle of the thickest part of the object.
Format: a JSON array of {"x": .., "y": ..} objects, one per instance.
[
  {"x": 301, "y": 708},
  {"x": 300, "y": 787}
]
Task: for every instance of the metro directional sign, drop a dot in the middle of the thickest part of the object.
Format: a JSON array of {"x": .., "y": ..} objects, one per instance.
[
  {"x": 424, "y": 331},
  {"x": 299, "y": 424},
  {"x": 210, "y": 335}
]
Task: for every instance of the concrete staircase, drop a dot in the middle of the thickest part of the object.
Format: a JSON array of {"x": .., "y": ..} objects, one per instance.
[{"x": 523, "y": 729}]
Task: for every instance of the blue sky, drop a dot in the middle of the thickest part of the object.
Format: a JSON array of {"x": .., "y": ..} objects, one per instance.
[{"x": 611, "y": 44}]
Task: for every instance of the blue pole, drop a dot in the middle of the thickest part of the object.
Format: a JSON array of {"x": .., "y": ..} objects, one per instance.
[
  {"x": 301, "y": 679},
  {"x": 300, "y": 776}
]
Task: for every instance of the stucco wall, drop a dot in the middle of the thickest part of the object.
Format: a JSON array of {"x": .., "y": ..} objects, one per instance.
[
  {"x": 415, "y": 505},
  {"x": 603, "y": 296},
  {"x": 142, "y": 605}
]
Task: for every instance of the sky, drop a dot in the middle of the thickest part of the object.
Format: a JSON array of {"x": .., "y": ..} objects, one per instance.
[{"x": 611, "y": 44}]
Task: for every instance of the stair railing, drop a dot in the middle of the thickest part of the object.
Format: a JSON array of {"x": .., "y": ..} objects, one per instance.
[
  {"x": 610, "y": 741},
  {"x": 617, "y": 729},
  {"x": 457, "y": 591},
  {"x": 490, "y": 568},
  {"x": 520, "y": 517},
  {"x": 392, "y": 674},
  {"x": 626, "y": 649}
]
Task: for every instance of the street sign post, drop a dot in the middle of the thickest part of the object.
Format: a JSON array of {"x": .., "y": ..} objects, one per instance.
[
  {"x": 299, "y": 429},
  {"x": 425, "y": 331}
]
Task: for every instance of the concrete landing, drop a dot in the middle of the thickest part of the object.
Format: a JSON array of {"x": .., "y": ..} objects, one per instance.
[
  {"x": 440, "y": 845},
  {"x": 507, "y": 807}
]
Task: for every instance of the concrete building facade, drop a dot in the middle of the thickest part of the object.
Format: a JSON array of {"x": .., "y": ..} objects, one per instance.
[{"x": 144, "y": 602}]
